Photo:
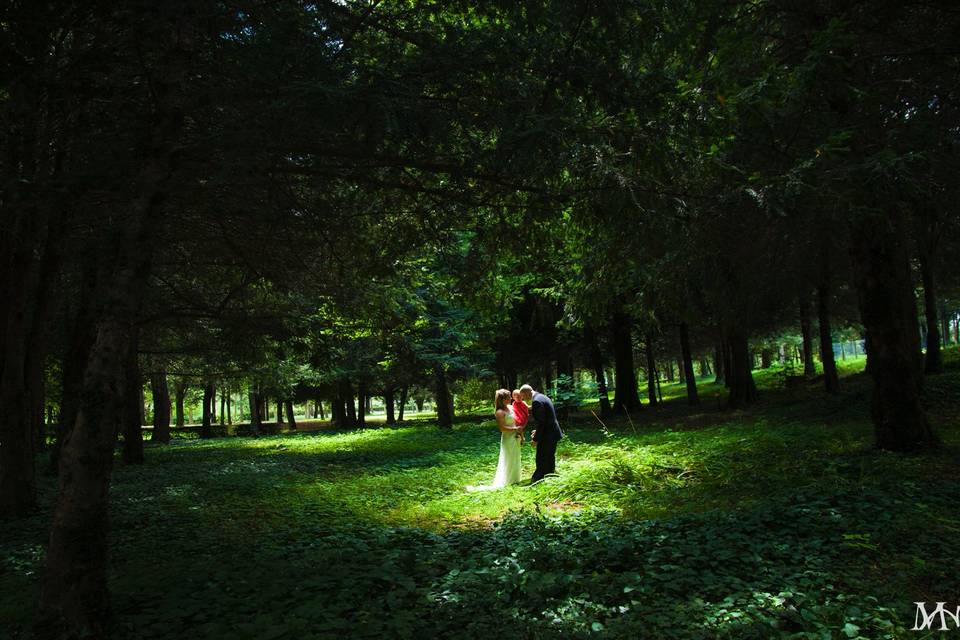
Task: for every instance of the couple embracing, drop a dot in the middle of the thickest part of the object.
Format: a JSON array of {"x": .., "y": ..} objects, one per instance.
[{"x": 513, "y": 417}]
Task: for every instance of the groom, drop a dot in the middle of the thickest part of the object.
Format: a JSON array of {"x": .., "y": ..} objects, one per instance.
[{"x": 547, "y": 433}]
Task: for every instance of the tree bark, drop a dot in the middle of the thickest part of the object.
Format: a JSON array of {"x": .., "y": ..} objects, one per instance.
[
  {"x": 719, "y": 355},
  {"x": 932, "y": 361},
  {"x": 442, "y": 393},
  {"x": 161, "y": 408},
  {"x": 256, "y": 413},
  {"x": 206, "y": 426},
  {"x": 288, "y": 405},
  {"x": 229, "y": 396},
  {"x": 626, "y": 397},
  {"x": 596, "y": 363},
  {"x": 74, "y": 600},
  {"x": 351, "y": 408},
  {"x": 809, "y": 369},
  {"x": 651, "y": 372},
  {"x": 888, "y": 312},
  {"x": 180, "y": 391},
  {"x": 689, "y": 376},
  {"x": 388, "y": 404},
  {"x": 362, "y": 405},
  {"x": 279, "y": 415},
  {"x": 132, "y": 419},
  {"x": 831, "y": 380},
  {"x": 743, "y": 390},
  {"x": 403, "y": 401}
]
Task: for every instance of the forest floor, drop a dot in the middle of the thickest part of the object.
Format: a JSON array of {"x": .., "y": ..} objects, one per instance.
[{"x": 780, "y": 521}]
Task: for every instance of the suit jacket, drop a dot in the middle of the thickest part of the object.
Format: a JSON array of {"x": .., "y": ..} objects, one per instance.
[{"x": 545, "y": 419}]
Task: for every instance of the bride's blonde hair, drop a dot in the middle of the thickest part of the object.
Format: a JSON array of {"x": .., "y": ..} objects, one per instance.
[{"x": 503, "y": 397}]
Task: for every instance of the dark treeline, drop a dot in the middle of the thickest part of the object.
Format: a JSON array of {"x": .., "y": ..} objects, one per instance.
[{"x": 257, "y": 205}]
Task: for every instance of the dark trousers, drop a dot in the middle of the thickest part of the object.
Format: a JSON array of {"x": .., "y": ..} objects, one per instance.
[{"x": 546, "y": 459}]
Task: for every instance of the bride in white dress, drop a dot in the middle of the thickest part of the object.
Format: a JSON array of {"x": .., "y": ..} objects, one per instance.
[{"x": 511, "y": 439}]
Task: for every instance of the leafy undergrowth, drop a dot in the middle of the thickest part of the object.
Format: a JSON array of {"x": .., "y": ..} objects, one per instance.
[{"x": 777, "y": 522}]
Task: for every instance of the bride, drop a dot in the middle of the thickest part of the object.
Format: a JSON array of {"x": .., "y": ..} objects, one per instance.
[{"x": 511, "y": 437}]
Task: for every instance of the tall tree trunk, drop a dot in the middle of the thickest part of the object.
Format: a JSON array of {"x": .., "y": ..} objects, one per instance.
[
  {"x": 933, "y": 361},
  {"x": 213, "y": 402},
  {"x": 132, "y": 419},
  {"x": 689, "y": 377},
  {"x": 596, "y": 363},
  {"x": 74, "y": 600},
  {"x": 279, "y": 415},
  {"x": 727, "y": 364},
  {"x": 223, "y": 406},
  {"x": 351, "y": 408},
  {"x": 403, "y": 401},
  {"x": 719, "y": 355},
  {"x": 944, "y": 324},
  {"x": 651, "y": 371},
  {"x": 442, "y": 393},
  {"x": 743, "y": 390},
  {"x": 831, "y": 380},
  {"x": 388, "y": 404},
  {"x": 337, "y": 413},
  {"x": 256, "y": 421},
  {"x": 229, "y": 396},
  {"x": 765, "y": 358},
  {"x": 323, "y": 415},
  {"x": 809, "y": 369},
  {"x": 362, "y": 405},
  {"x": 626, "y": 397},
  {"x": 206, "y": 426},
  {"x": 180, "y": 392},
  {"x": 288, "y": 405},
  {"x": 888, "y": 312},
  {"x": 161, "y": 408},
  {"x": 18, "y": 490}
]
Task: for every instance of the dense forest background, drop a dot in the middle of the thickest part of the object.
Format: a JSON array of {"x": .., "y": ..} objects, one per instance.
[{"x": 226, "y": 219}]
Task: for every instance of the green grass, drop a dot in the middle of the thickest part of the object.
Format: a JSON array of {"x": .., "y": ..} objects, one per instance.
[{"x": 776, "y": 522}]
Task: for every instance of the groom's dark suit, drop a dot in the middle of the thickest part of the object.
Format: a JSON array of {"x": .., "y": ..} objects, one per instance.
[{"x": 547, "y": 436}]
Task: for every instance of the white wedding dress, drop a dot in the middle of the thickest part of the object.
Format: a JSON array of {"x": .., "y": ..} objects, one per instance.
[{"x": 508, "y": 467}]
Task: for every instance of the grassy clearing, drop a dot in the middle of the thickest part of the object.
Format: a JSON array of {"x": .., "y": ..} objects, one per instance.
[{"x": 777, "y": 522}]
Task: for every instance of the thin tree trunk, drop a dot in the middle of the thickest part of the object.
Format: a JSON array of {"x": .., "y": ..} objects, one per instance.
[
  {"x": 596, "y": 362},
  {"x": 719, "y": 354},
  {"x": 288, "y": 405},
  {"x": 229, "y": 396},
  {"x": 809, "y": 369},
  {"x": 689, "y": 377},
  {"x": 831, "y": 380},
  {"x": 651, "y": 372},
  {"x": 403, "y": 402},
  {"x": 932, "y": 361}
]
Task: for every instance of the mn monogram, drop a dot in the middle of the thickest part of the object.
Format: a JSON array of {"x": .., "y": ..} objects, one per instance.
[{"x": 923, "y": 620}]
